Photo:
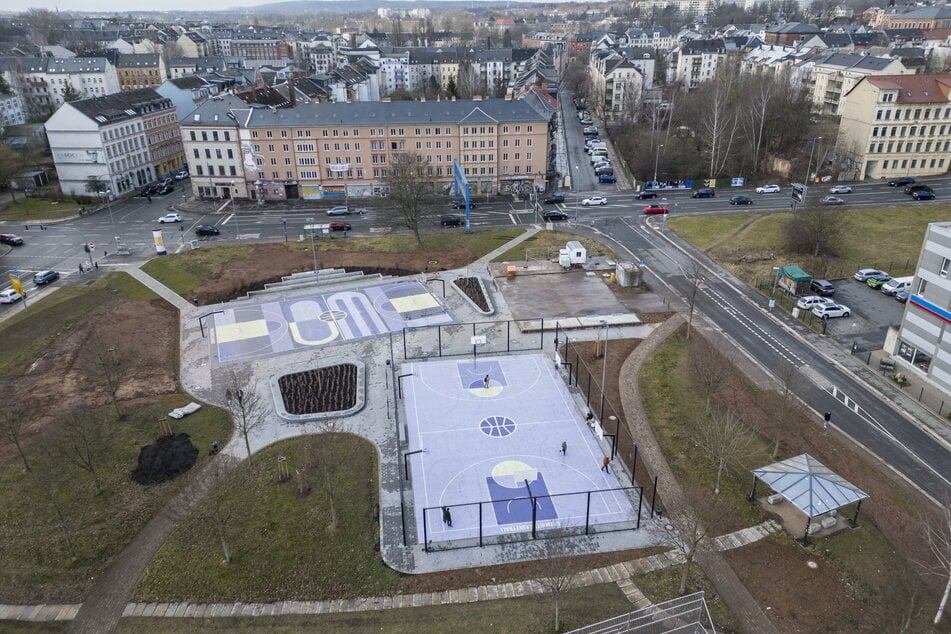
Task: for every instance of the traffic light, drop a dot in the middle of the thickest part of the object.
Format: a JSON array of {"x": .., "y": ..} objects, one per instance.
[{"x": 86, "y": 248}]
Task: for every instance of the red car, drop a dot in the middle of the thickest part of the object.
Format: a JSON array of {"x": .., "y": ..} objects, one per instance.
[
  {"x": 340, "y": 226},
  {"x": 656, "y": 209}
]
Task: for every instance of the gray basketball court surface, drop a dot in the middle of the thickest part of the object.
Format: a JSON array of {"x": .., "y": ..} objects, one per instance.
[
  {"x": 500, "y": 444},
  {"x": 271, "y": 327}
]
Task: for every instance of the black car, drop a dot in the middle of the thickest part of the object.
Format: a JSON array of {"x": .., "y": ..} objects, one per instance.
[
  {"x": 554, "y": 198},
  {"x": 647, "y": 193},
  {"x": 902, "y": 296},
  {"x": 452, "y": 221},
  {"x": 206, "y": 230},
  {"x": 165, "y": 190},
  {"x": 741, "y": 200},
  {"x": 706, "y": 192},
  {"x": 12, "y": 240},
  {"x": 823, "y": 288},
  {"x": 901, "y": 182},
  {"x": 553, "y": 215},
  {"x": 911, "y": 189},
  {"x": 149, "y": 190},
  {"x": 461, "y": 204},
  {"x": 45, "y": 277},
  {"x": 923, "y": 195}
]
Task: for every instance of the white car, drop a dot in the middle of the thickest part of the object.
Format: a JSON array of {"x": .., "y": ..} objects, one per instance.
[
  {"x": 594, "y": 200},
  {"x": 767, "y": 189},
  {"x": 180, "y": 176},
  {"x": 823, "y": 311},
  {"x": 9, "y": 296},
  {"x": 841, "y": 189},
  {"x": 811, "y": 301},
  {"x": 170, "y": 218},
  {"x": 341, "y": 210}
]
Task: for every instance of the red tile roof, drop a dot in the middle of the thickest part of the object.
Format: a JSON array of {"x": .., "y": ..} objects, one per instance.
[{"x": 915, "y": 88}]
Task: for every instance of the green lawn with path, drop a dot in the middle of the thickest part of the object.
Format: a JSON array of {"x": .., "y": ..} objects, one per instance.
[
  {"x": 36, "y": 209},
  {"x": 544, "y": 245}
]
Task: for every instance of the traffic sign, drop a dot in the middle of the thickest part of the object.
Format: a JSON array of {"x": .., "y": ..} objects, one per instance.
[{"x": 92, "y": 247}]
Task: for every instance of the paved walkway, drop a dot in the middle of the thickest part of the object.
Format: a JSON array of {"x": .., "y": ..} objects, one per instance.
[
  {"x": 511, "y": 244},
  {"x": 160, "y": 289},
  {"x": 616, "y": 573}
]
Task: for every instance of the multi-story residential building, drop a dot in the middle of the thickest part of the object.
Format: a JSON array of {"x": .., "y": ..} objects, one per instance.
[
  {"x": 321, "y": 150},
  {"x": 111, "y": 140},
  {"x": 263, "y": 51},
  {"x": 656, "y": 38},
  {"x": 616, "y": 84},
  {"x": 790, "y": 33},
  {"x": 696, "y": 62},
  {"x": 140, "y": 70},
  {"x": 923, "y": 341},
  {"x": 924, "y": 18},
  {"x": 896, "y": 125},
  {"x": 192, "y": 44},
  {"x": 836, "y": 73},
  {"x": 11, "y": 111},
  {"x": 685, "y": 7},
  {"x": 43, "y": 83}
]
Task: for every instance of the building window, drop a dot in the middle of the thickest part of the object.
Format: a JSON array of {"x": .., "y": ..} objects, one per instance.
[{"x": 945, "y": 263}]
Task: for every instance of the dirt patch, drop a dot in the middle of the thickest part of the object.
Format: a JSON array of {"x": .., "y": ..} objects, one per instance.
[
  {"x": 267, "y": 263},
  {"x": 330, "y": 389},
  {"x": 165, "y": 459}
]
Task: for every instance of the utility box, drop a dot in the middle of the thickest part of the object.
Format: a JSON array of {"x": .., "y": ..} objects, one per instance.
[
  {"x": 628, "y": 274},
  {"x": 564, "y": 258},
  {"x": 576, "y": 252}
]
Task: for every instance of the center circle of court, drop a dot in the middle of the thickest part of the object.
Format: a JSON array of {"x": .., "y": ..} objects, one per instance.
[
  {"x": 332, "y": 315},
  {"x": 497, "y": 426}
]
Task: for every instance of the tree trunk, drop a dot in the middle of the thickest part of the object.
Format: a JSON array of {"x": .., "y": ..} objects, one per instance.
[
  {"x": 557, "y": 615},
  {"x": 716, "y": 489},
  {"x": 247, "y": 446},
  {"x": 334, "y": 521},
  {"x": 26, "y": 463},
  {"x": 944, "y": 602},
  {"x": 683, "y": 577},
  {"x": 776, "y": 444},
  {"x": 225, "y": 549}
]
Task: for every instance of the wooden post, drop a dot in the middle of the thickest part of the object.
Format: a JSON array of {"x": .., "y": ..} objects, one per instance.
[
  {"x": 282, "y": 471},
  {"x": 164, "y": 426}
]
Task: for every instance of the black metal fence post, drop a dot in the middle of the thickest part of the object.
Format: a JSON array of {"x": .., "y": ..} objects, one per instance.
[
  {"x": 654, "y": 496},
  {"x": 439, "y": 339},
  {"x": 587, "y": 514}
]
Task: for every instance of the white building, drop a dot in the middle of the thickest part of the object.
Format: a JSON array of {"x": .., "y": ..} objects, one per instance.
[
  {"x": 43, "y": 83},
  {"x": 11, "y": 111}
]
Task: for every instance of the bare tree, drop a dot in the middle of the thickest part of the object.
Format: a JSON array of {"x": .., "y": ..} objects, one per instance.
[
  {"x": 708, "y": 368},
  {"x": 687, "y": 535},
  {"x": 761, "y": 92},
  {"x": 109, "y": 367},
  {"x": 784, "y": 406},
  {"x": 695, "y": 277},
  {"x": 816, "y": 230},
  {"x": 245, "y": 404},
  {"x": 411, "y": 190},
  {"x": 80, "y": 442},
  {"x": 468, "y": 81},
  {"x": 328, "y": 463},
  {"x": 725, "y": 440},
  {"x": 11, "y": 164},
  {"x": 13, "y": 422},
  {"x": 557, "y": 585},
  {"x": 213, "y": 507},
  {"x": 938, "y": 533},
  {"x": 45, "y": 480}
]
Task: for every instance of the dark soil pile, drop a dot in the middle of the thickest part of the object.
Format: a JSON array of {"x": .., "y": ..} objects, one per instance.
[
  {"x": 330, "y": 389},
  {"x": 165, "y": 459},
  {"x": 473, "y": 290}
]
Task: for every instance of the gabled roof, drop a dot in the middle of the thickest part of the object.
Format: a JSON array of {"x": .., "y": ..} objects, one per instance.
[
  {"x": 915, "y": 88},
  {"x": 477, "y": 115},
  {"x": 793, "y": 27},
  {"x": 119, "y": 106}
]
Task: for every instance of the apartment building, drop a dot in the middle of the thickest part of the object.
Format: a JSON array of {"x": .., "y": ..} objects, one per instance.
[
  {"x": 11, "y": 111},
  {"x": 897, "y": 125},
  {"x": 258, "y": 52},
  {"x": 44, "y": 83},
  {"x": 836, "y": 73},
  {"x": 322, "y": 150},
  {"x": 924, "y": 18},
  {"x": 696, "y": 62},
  {"x": 616, "y": 83},
  {"x": 140, "y": 70},
  {"x": 923, "y": 343},
  {"x": 111, "y": 140}
]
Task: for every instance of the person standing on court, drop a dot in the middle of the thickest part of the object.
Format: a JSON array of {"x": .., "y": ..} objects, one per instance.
[
  {"x": 485, "y": 381},
  {"x": 604, "y": 464},
  {"x": 564, "y": 448},
  {"x": 447, "y": 516}
]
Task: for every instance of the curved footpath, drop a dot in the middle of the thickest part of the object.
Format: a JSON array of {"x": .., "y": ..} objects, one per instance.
[{"x": 109, "y": 599}]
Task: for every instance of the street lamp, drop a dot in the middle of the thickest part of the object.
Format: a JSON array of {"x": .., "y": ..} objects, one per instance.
[
  {"x": 234, "y": 212},
  {"x": 656, "y": 158},
  {"x": 604, "y": 368},
  {"x": 805, "y": 182},
  {"x": 106, "y": 193}
]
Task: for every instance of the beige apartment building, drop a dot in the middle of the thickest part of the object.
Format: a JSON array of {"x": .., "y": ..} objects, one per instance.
[
  {"x": 338, "y": 150},
  {"x": 897, "y": 125}
]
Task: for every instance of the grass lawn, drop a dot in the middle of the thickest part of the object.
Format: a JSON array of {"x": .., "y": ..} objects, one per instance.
[
  {"x": 478, "y": 242},
  {"x": 578, "y": 607},
  {"x": 39, "y": 209},
  {"x": 283, "y": 544},
  {"x": 28, "y": 627},
  {"x": 751, "y": 246},
  {"x": 545, "y": 245},
  {"x": 185, "y": 271}
]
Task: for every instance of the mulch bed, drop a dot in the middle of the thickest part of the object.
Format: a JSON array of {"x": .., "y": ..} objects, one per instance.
[{"x": 165, "y": 459}]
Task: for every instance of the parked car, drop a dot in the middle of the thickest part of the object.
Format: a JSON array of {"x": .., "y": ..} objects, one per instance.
[
  {"x": 591, "y": 129},
  {"x": 12, "y": 240},
  {"x": 832, "y": 200},
  {"x": 602, "y": 165},
  {"x": 897, "y": 285},
  {"x": 9, "y": 296},
  {"x": 901, "y": 182},
  {"x": 341, "y": 210},
  {"x": 911, "y": 189},
  {"x": 822, "y": 287},
  {"x": 338, "y": 225},
  {"x": 840, "y": 189},
  {"x": 830, "y": 311},
  {"x": 706, "y": 192},
  {"x": 645, "y": 194},
  {"x": 809, "y": 302},
  {"x": 902, "y": 296},
  {"x": 164, "y": 190},
  {"x": 863, "y": 274},
  {"x": 461, "y": 204},
  {"x": 181, "y": 175},
  {"x": 554, "y": 198},
  {"x": 149, "y": 190},
  {"x": 656, "y": 209},
  {"x": 206, "y": 230},
  {"x": 594, "y": 200},
  {"x": 170, "y": 218},
  {"x": 767, "y": 189},
  {"x": 604, "y": 170},
  {"x": 877, "y": 281},
  {"x": 454, "y": 220},
  {"x": 607, "y": 178},
  {"x": 553, "y": 215},
  {"x": 923, "y": 195},
  {"x": 741, "y": 200},
  {"x": 45, "y": 277}
]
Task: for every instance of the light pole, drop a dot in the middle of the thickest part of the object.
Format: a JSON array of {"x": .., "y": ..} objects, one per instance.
[
  {"x": 106, "y": 193},
  {"x": 313, "y": 247},
  {"x": 805, "y": 192},
  {"x": 234, "y": 212},
  {"x": 604, "y": 368},
  {"x": 656, "y": 159}
]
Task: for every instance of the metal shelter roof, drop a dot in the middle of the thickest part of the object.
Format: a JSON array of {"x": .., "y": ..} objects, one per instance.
[{"x": 809, "y": 485}]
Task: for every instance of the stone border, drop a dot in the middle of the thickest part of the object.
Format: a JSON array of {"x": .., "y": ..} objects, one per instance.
[
  {"x": 485, "y": 293},
  {"x": 361, "y": 391}
]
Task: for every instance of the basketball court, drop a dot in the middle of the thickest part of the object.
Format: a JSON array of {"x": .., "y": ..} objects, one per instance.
[
  {"x": 485, "y": 440},
  {"x": 269, "y": 328}
]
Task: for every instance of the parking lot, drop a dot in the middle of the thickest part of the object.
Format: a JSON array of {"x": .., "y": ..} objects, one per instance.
[{"x": 872, "y": 313}]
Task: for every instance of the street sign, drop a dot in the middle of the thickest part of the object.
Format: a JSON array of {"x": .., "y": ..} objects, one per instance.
[{"x": 92, "y": 247}]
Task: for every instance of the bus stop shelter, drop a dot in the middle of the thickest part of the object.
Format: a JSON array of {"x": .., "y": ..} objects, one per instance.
[{"x": 810, "y": 486}]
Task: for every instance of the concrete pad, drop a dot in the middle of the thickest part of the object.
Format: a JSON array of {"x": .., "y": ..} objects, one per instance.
[{"x": 575, "y": 293}]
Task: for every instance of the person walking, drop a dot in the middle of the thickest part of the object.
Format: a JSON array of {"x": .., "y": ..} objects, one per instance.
[
  {"x": 564, "y": 448},
  {"x": 81, "y": 270},
  {"x": 604, "y": 464},
  {"x": 96, "y": 264},
  {"x": 149, "y": 198},
  {"x": 825, "y": 420},
  {"x": 485, "y": 381}
]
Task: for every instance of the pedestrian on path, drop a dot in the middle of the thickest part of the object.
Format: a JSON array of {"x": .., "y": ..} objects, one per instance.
[
  {"x": 485, "y": 381},
  {"x": 825, "y": 420},
  {"x": 96, "y": 264},
  {"x": 604, "y": 464},
  {"x": 446, "y": 516},
  {"x": 81, "y": 269},
  {"x": 564, "y": 448},
  {"x": 149, "y": 198}
]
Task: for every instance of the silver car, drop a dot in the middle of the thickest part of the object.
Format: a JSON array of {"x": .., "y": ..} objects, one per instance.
[
  {"x": 341, "y": 210},
  {"x": 840, "y": 189}
]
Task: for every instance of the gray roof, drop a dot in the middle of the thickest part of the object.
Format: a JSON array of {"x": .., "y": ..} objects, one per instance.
[
  {"x": 926, "y": 13},
  {"x": 127, "y": 60},
  {"x": 66, "y": 65},
  {"x": 793, "y": 27},
  {"x": 809, "y": 485},
  {"x": 461, "y": 112},
  {"x": 845, "y": 60},
  {"x": 122, "y": 105}
]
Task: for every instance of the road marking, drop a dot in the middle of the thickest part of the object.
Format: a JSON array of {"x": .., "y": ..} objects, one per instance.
[
  {"x": 380, "y": 229},
  {"x": 225, "y": 221},
  {"x": 512, "y": 218}
]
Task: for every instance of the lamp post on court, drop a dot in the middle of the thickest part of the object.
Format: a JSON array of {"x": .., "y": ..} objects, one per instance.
[{"x": 604, "y": 367}]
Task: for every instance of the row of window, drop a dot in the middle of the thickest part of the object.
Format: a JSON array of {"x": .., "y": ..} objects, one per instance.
[
  {"x": 890, "y": 147},
  {"x": 517, "y": 129},
  {"x": 912, "y": 114},
  {"x": 908, "y": 130},
  {"x": 210, "y": 170},
  {"x": 218, "y": 153},
  {"x": 214, "y": 135},
  {"x": 905, "y": 165}
]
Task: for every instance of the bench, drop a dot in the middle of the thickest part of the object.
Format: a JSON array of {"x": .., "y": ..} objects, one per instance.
[
  {"x": 886, "y": 364},
  {"x": 775, "y": 498},
  {"x": 828, "y": 522}
]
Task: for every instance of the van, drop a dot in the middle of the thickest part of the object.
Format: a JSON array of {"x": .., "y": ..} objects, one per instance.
[{"x": 897, "y": 284}]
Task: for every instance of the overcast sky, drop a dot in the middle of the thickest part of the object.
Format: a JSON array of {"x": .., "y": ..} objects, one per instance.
[{"x": 123, "y": 6}]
